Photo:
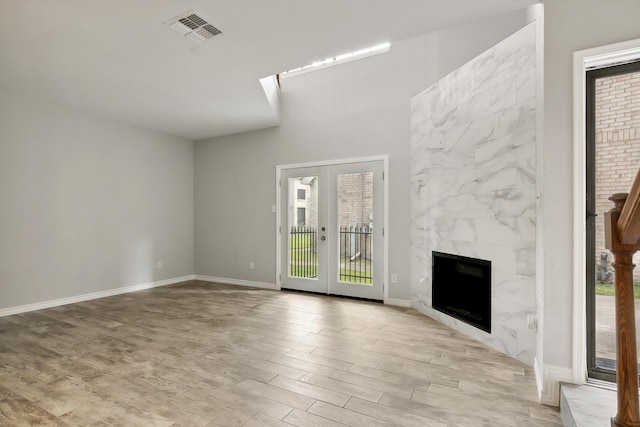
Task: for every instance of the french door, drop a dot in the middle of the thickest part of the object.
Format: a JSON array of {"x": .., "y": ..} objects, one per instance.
[{"x": 331, "y": 229}]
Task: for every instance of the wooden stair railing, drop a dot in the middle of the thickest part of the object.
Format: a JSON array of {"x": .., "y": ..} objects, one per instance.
[{"x": 622, "y": 238}]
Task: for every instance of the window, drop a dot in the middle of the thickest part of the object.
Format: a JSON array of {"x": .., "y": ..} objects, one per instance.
[
  {"x": 338, "y": 59},
  {"x": 613, "y": 156},
  {"x": 302, "y": 194},
  {"x": 301, "y": 220}
]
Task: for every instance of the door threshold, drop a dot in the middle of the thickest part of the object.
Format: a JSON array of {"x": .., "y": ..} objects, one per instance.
[{"x": 332, "y": 295}]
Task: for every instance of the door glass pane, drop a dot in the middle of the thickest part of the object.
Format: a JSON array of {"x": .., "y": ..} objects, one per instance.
[
  {"x": 355, "y": 227},
  {"x": 617, "y": 157},
  {"x": 303, "y": 227}
]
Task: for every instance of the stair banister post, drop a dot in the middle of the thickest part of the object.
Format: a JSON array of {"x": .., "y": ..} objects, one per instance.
[{"x": 626, "y": 354}]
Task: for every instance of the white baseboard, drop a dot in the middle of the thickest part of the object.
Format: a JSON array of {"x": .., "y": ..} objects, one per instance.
[
  {"x": 552, "y": 377},
  {"x": 398, "y": 302},
  {"x": 238, "y": 282},
  {"x": 93, "y": 295}
]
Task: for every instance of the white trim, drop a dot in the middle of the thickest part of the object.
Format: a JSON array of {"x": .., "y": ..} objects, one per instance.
[
  {"x": 382, "y": 157},
  {"x": 579, "y": 348},
  {"x": 278, "y": 228},
  {"x": 537, "y": 371},
  {"x": 598, "y": 57},
  {"x": 385, "y": 165},
  {"x": 552, "y": 377},
  {"x": 398, "y": 302},
  {"x": 540, "y": 202},
  {"x": 385, "y": 241},
  {"x": 227, "y": 281},
  {"x": 608, "y": 55},
  {"x": 90, "y": 296}
]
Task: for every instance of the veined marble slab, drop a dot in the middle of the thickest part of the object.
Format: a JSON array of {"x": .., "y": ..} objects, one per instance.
[{"x": 473, "y": 139}]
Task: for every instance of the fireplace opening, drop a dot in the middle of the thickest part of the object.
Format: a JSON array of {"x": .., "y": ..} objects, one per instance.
[{"x": 462, "y": 288}]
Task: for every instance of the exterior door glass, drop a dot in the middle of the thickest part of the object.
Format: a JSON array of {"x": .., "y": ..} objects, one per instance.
[{"x": 613, "y": 158}]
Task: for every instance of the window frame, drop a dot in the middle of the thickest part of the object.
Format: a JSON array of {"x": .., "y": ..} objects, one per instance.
[{"x": 594, "y": 371}]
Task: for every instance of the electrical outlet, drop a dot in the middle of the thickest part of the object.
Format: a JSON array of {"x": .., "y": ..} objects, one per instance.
[
  {"x": 394, "y": 278},
  {"x": 251, "y": 265},
  {"x": 159, "y": 265}
]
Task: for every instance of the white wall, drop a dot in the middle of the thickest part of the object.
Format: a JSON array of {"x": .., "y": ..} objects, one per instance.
[
  {"x": 351, "y": 110},
  {"x": 88, "y": 204},
  {"x": 570, "y": 25}
]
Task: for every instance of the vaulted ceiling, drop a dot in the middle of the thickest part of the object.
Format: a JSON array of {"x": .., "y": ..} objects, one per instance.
[{"x": 117, "y": 58}]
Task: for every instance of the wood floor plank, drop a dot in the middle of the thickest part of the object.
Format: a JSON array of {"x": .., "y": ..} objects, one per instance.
[
  {"x": 251, "y": 402},
  {"x": 454, "y": 416},
  {"x": 15, "y": 410},
  {"x": 302, "y": 365},
  {"x": 271, "y": 367},
  {"x": 402, "y": 390},
  {"x": 260, "y": 420},
  {"x": 426, "y": 372},
  {"x": 306, "y": 419},
  {"x": 278, "y": 394},
  {"x": 354, "y": 358},
  {"x": 400, "y": 380},
  {"x": 420, "y": 353},
  {"x": 391, "y": 415},
  {"x": 343, "y": 387},
  {"x": 289, "y": 345},
  {"x": 320, "y": 360},
  {"x": 313, "y": 391},
  {"x": 346, "y": 416},
  {"x": 453, "y": 400}
]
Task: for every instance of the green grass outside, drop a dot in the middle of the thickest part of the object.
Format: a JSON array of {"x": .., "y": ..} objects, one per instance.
[
  {"x": 312, "y": 271},
  {"x": 609, "y": 290},
  {"x": 303, "y": 270},
  {"x": 299, "y": 241},
  {"x": 303, "y": 256}
]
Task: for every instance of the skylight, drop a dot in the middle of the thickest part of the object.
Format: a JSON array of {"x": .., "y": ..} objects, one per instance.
[{"x": 339, "y": 59}]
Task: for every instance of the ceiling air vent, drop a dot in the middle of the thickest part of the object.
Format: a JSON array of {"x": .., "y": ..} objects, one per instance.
[{"x": 193, "y": 26}]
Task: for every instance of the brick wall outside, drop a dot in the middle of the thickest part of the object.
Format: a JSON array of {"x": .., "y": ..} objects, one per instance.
[
  {"x": 355, "y": 204},
  {"x": 309, "y": 203},
  {"x": 355, "y": 198},
  {"x": 617, "y": 147}
]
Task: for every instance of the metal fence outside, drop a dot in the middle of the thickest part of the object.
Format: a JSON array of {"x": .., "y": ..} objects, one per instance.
[
  {"x": 356, "y": 253},
  {"x": 355, "y": 257},
  {"x": 303, "y": 252}
]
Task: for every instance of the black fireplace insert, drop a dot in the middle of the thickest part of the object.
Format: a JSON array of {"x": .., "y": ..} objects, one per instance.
[{"x": 462, "y": 288}]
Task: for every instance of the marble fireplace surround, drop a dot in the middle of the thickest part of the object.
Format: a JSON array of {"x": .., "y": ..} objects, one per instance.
[{"x": 473, "y": 171}]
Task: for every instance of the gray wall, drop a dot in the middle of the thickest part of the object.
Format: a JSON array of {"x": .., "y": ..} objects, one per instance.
[
  {"x": 88, "y": 204},
  {"x": 351, "y": 110},
  {"x": 570, "y": 25}
]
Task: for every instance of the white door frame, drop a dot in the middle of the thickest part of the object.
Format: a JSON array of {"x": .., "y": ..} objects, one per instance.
[
  {"x": 385, "y": 161},
  {"x": 584, "y": 60}
]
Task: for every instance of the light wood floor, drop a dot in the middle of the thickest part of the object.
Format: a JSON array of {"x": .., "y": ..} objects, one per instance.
[{"x": 205, "y": 354}]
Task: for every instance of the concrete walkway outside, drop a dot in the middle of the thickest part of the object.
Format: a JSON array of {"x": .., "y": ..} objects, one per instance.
[{"x": 606, "y": 326}]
